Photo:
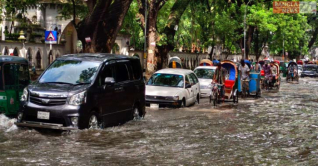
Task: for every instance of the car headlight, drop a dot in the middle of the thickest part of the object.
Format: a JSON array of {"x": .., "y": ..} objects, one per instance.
[
  {"x": 25, "y": 94},
  {"x": 175, "y": 97},
  {"x": 78, "y": 99}
]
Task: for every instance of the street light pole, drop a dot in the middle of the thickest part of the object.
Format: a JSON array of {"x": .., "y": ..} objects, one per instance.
[
  {"x": 245, "y": 29},
  {"x": 144, "y": 64},
  {"x": 284, "y": 47}
]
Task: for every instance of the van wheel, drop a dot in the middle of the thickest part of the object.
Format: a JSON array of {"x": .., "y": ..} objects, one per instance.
[
  {"x": 93, "y": 122},
  {"x": 136, "y": 113}
]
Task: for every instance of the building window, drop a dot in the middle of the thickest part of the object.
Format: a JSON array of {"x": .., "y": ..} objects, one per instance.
[
  {"x": 50, "y": 57},
  {"x": 6, "y": 51},
  {"x": 38, "y": 59},
  {"x": 16, "y": 52}
]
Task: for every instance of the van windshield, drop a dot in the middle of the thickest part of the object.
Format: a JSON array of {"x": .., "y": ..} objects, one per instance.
[
  {"x": 169, "y": 80},
  {"x": 70, "y": 72}
]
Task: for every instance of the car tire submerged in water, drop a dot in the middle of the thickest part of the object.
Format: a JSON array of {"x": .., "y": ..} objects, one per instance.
[
  {"x": 198, "y": 99},
  {"x": 93, "y": 121},
  {"x": 136, "y": 114},
  {"x": 183, "y": 103}
]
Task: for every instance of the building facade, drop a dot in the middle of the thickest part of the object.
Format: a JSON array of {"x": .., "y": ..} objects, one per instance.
[{"x": 40, "y": 18}]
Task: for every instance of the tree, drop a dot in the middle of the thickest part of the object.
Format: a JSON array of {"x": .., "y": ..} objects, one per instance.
[
  {"x": 101, "y": 23},
  {"x": 154, "y": 7},
  {"x": 169, "y": 31}
]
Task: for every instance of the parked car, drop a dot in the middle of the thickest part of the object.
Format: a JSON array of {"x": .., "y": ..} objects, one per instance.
[
  {"x": 84, "y": 91},
  {"x": 205, "y": 75},
  {"x": 309, "y": 71},
  {"x": 172, "y": 87}
]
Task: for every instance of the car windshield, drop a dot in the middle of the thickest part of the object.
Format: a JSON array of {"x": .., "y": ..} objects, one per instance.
[
  {"x": 204, "y": 73},
  {"x": 168, "y": 80},
  {"x": 310, "y": 68},
  {"x": 70, "y": 72}
]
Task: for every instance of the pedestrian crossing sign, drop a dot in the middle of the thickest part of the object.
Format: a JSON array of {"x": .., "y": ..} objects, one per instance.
[{"x": 51, "y": 37}]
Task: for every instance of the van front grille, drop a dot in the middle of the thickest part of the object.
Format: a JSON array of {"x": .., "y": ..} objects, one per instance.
[{"x": 47, "y": 101}]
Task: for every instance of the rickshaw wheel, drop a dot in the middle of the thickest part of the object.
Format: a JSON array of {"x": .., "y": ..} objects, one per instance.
[{"x": 215, "y": 100}]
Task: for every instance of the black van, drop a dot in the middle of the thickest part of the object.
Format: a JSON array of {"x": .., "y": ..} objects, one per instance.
[{"x": 84, "y": 91}]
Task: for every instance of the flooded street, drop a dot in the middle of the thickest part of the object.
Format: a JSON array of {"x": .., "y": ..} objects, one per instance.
[{"x": 278, "y": 129}]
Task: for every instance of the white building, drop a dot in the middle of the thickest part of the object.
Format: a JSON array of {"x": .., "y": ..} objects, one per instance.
[{"x": 41, "y": 17}]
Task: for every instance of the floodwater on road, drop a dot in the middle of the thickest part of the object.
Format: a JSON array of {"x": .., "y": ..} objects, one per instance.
[{"x": 278, "y": 129}]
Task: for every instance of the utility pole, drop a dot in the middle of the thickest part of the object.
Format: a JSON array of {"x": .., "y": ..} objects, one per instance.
[
  {"x": 144, "y": 58},
  {"x": 245, "y": 29},
  {"x": 284, "y": 47}
]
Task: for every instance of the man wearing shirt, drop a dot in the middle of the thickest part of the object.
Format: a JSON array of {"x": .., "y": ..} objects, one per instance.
[
  {"x": 273, "y": 71},
  {"x": 245, "y": 75}
]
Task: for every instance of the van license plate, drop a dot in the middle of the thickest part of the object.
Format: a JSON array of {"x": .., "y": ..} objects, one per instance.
[
  {"x": 154, "y": 106},
  {"x": 43, "y": 115}
]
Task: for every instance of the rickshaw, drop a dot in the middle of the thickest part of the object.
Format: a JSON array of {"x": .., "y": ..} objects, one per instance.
[
  {"x": 15, "y": 77},
  {"x": 230, "y": 85},
  {"x": 276, "y": 82},
  {"x": 206, "y": 62},
  {"x": 292, "y": 72},
  {"x": 175, "y": 62},
  {"x": 254, "y": 82}
]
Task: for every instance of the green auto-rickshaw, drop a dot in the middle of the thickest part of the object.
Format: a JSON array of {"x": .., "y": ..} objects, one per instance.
[{"x": 15, "y": 76}]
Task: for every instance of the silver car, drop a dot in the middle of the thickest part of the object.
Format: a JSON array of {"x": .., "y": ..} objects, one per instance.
[{"x": 205, "y": 75}]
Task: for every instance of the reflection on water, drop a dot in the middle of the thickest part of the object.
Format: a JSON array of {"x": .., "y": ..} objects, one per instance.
[{"x": 278, "y": 129}]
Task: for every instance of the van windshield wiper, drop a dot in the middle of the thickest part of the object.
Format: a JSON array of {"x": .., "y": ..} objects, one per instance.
[
  {"x": 84, "y": 83},
  {"x": 57, "y": 83}
]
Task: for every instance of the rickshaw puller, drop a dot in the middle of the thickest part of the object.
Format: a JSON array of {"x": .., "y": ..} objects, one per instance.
[
  {"x": 245, "y": 76},
  {"x": 219, "y": 77},
  {"x": 268, "y": 74}
]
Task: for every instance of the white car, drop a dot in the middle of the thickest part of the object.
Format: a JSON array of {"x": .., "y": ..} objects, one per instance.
[
  {"x": 205, "y": 75},
  {"x": 172, "y": 87}
]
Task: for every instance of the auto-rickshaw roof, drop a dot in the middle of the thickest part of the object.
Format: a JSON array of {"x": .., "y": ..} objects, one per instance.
[{"x": 13, "y": 59}]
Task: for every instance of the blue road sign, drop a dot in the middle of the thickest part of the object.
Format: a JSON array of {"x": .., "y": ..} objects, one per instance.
[{"x": 51, "y": 37}]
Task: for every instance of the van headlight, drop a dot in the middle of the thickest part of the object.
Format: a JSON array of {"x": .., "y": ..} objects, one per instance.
[
  {"x": 78, "y": 99},
  {"x": 25, "y": 94}
]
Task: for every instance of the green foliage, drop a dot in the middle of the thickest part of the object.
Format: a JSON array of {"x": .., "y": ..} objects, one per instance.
[
  {"x": 66, "y": 11},
  {"x": 132, "y": 27}
]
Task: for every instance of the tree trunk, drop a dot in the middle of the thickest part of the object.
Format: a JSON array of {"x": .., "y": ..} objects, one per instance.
[
  {"x": 313, "y": 39},
  {"x": 153, "y": 9},
  {"x": 174, "y": 18},
  {"x": 256, "y": 47},
  {"x": 249, "y": 39},
  {"x": 102, "y": 24},
  {"x": 152, "y": 37}
]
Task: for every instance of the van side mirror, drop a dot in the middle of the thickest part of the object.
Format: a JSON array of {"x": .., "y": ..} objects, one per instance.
[
  {"x": 188, "y": 86},
  {"x": 109, "y": 80}
]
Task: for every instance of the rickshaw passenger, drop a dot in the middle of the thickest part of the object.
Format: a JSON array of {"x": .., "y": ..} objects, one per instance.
[
  {"x": 292, "y": 71},
  {"x": 245, "y": 73},
  {"x": 273, "y": 71}
]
